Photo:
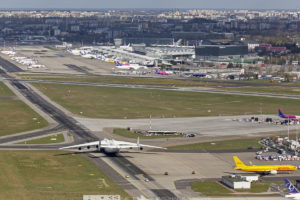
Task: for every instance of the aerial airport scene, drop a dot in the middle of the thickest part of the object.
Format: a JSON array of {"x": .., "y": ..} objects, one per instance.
[{"x": 134, "y": 100}]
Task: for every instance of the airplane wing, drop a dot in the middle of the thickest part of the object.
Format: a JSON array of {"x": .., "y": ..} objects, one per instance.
[
  {"x": 149, "y": 146},
  {"x": 124, "y": 145},
  {"x": 96, "y": 143}
]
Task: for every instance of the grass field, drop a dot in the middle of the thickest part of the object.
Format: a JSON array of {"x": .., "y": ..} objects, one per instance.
[
  {"x": 221, "y": 145},
  {"x": 211, "y": 188},
  {"x": 58, "y": 138},
  {"x": 122, "y": 103},
  {"x": 129, "y": 134},
  {"x": 35, "y": 175},
  {"x": 5, "y": 91},
  {"x": 16, "y": 116}
]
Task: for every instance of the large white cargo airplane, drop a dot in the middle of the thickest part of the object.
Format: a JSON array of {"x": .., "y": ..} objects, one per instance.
[{"x": 111, "y": 146}]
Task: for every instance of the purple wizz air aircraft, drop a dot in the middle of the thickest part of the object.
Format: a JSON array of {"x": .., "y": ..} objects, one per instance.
[{"x": 292, "y": 117}]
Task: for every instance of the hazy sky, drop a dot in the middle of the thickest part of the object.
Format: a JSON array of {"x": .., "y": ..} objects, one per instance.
[{"x": 228, "y": 4}]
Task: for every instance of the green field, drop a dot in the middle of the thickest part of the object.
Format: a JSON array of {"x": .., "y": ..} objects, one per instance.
[
  {"x": 129, "y": 134},
  {"x": 221, "y": 145},
  {"x": 5, "y": 91},
  {"x": 211, "y": 188},
  {"x": 16, "y": 116},
  {"x": 58, "y": 138},
  {"x": 123, "y": 103},
  {"x": 36, "y": 175}
]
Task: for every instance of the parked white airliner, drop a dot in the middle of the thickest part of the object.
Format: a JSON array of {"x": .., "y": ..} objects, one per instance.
[{"x": 111, "y": 146}]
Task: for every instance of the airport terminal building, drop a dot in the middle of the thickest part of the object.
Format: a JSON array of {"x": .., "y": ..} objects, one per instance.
[{"x": 216, "y": 52}]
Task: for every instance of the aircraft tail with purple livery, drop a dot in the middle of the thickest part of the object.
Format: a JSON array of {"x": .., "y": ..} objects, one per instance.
[
  {"x": 286, "y": 116},
  {"x": 293, "y": 192}
]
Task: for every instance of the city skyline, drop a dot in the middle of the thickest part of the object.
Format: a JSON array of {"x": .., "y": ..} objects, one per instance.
[{"x": 123, "y": 4}]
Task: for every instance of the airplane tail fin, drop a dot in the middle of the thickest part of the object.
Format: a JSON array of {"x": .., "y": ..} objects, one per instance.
[
  {"x": 117, "y": 63},
  {"x": 238, "y": 163},
  {"x": 291, "y": 187},
  {"x": 280, "y": 113}
]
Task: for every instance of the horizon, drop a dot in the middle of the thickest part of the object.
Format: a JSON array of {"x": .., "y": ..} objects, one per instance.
[
  {"x": 168, "y": 9},
  {"x": 154, "y": 4}
]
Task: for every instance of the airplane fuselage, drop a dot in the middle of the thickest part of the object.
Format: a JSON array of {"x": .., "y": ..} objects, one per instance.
[
  {"x": 267, "y": 168},
  {"x": 293, "y": 196},
  {"x": 109, "y": 150},
  {"x": 110, "y": 146},
  {"x": 286, "y": 116}
]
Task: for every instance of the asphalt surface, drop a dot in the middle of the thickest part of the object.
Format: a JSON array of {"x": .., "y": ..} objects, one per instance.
[
  {"x": 164, "y": 194},
  {"x": 81, "y": 69},
  {"x": 81, "y": 134},
  {"x": 208, "y": 151},
  {"x": 130, "y": 167},
  {"x": 10, "y": 67}
]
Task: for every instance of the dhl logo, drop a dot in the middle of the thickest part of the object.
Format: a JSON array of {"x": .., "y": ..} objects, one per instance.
[{"x": 283, "y": 168}]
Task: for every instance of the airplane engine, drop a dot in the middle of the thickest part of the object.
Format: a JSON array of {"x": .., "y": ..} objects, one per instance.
[
  {"x": 273, "y": 172},
  {"x": 79, "y": 148},
  {"x": 141, "y": 148},
  {"x": 88, "y": 147}
]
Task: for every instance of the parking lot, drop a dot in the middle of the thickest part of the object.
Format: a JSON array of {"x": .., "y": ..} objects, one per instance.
[{"x": 280, "y": 148}]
